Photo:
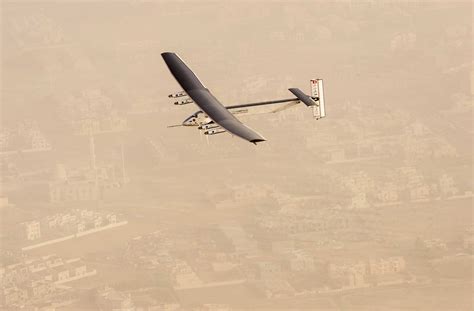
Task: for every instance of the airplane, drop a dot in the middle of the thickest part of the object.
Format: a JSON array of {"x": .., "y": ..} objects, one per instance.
[{"x": 215, "y": 118}]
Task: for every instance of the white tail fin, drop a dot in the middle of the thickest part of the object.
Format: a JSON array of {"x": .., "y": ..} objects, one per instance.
[{"x": 317, "y": 93}]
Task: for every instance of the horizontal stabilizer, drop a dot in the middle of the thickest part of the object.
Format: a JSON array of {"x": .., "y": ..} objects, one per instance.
[{"x": 306, "y": 99}]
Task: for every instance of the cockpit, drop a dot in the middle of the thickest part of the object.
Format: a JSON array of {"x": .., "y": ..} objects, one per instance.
[{"x": 198, "y": 118}]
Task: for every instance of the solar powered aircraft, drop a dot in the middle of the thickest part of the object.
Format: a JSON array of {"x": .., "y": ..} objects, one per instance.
[{"x": 214, "y": 118}]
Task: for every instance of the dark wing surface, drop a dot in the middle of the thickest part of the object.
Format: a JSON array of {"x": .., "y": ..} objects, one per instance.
[{"x": 206, "y": 101}]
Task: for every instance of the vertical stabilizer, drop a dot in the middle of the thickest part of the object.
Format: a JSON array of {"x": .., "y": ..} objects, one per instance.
[{"x": 317, "y": 93}]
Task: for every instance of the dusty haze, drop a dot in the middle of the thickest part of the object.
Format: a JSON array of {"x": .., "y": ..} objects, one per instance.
[{"x": 105, "y": 208}]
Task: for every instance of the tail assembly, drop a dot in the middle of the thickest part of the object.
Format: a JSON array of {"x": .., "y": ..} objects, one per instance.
[
  {"x": 317, "y": 94},
  {"x": 316, "y": 100}
]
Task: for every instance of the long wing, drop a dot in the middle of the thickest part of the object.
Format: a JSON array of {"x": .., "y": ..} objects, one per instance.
[{"x": 206, "y": 101}]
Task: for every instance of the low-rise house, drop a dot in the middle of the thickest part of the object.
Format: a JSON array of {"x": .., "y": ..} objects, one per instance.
[
  {"x": 301, "y": 262},
  {"x": 348, "y": 275},
  {"x": 110, "y": 299},
  {"x": 11, "y": 295},
  {"x": 32, "y": 230}
]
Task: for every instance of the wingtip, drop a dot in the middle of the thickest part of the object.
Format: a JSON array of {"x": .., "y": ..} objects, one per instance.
[
  {"x": 255, "y": 141},
  {"x": 167, "y": 54}
]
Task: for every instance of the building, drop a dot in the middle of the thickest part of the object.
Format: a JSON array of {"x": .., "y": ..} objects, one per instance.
[
  {"x": 360, "y": 181},
  {"x": 4, "y": 139},
  {"x": 387, "y": 271},
  {"x": 40, "y": 289},
  {"x": 184, "y": 275},
  {"x": 26, "y": 136},
  {"x": 345, "y": 276},
  {"x": 420, "y": 192},
  {"x": 38, "y": 141},
  {"x": 77, "y": 221},
  {"x": 300, "y": 261},
  {"x": 50, "y": 268},
  {"x": 270, "y": 270},
  {"x": 108, "y": 124},
  {"x": 386, "y": 266},
  {"x": 11, "y": 295},
  {"x": 250, "y": 192},
  {"x": 359, "y": 201},
  {"x": 109, "y": 299},
  {"x": 388, "y": 193},
  {"x": 32, "y": 230},
  {"x": 447, "y": 186},
  {"x": 82, "y": 184},
  {"x": 241, "y": 241},
  {"x": 85, "y": 190}
]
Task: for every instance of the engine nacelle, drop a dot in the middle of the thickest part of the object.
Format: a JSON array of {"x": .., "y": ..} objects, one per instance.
[
  {"x": 208, "y": 126},
  {"x": 214, "y": 131},
  {"x": 177, "y": 94},
  {"x": 184, "y": 102}
]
